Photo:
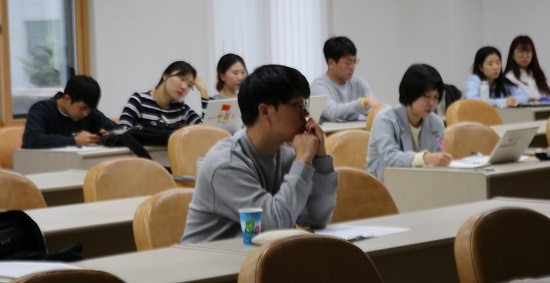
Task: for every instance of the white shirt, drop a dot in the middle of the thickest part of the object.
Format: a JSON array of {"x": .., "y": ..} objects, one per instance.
[{"x": 526, "y": 83}]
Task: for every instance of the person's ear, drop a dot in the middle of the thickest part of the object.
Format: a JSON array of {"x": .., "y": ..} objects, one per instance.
[
  {"x": 331, "y": 62},
  {"x": 67, "y": 98},
  {"x": 264, "y": 111}
]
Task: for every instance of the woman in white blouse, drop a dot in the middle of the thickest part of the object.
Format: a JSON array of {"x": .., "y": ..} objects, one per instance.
[{"x": 523, "y": 69}]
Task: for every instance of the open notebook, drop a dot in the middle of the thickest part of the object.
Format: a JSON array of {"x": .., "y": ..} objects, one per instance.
[
  {"x": 224, "y": 113},
  {"x": 510, "y": 148}
]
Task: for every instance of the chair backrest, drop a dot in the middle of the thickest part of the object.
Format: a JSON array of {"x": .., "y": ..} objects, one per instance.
[
  {"x": 348, "y": 148},
  {"x": 189, "y": 143},
  {"x": 160, "y": 220},
  {"x": 125, "y": 177},
  {"x": 503, "y": 244},
  {"x": 464, "y": 138},
  {"x": 372, "y": 115},
  {"x": 548, "y": 131},
  {"x": 472, "y": 110},
  {"x": 308, "y": 258},
  {"x": 11, "y": 138},
  {"x": 360, "y": 195},
  {"x": 17, "y": 192},
  {"x": 69, "y": 276}
]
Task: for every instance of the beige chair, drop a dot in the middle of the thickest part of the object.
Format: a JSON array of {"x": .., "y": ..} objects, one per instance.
[
  {"x": 471, "y": 110},
  {"x": 69, "y": 276},
  {"x": 503, "y": 244},
  {"x": 188, "y": 144},
  {"x": 372, "y": 115},
  {"x": 360, "y": 195},
  {"x": 348, "y": 148},
  {"x": 11, "y": 138},
  {"x": 308, "y": 258},
  {"x": 548, "y": 131},
  {"x": 160, "y": 220},
  {"x": 125, "y": 177},
  {"x": 464, "y": 138},
  {"x": 19, "y": 193}
]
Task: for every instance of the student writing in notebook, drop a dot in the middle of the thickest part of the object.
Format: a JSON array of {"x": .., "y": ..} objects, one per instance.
[
  {"x": 349, "y": 97},
  {"x": 231, "y": 72},
  {"x": 487, "y": 67},
  {"x": 523, "y": 69},
  {"x": 278, "y": 163},
  {"x": 70, "y": 118},
  {"x": 410, "y": 134},
  {"x": 163, "y": 107}
]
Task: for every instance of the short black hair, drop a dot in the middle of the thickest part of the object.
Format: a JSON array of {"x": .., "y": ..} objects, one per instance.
[
  {"x": 85, "y": 89},
  {"x": 417, "y": 80},
  {"x": 338, "y": 47},
  {"x": 272, "y": 85}
]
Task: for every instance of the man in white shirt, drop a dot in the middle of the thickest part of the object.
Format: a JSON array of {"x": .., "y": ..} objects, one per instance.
[{"x": 349, "y": 97}]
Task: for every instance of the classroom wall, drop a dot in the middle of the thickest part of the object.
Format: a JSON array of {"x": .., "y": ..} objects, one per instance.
[
  {"x": 390, "y": 35},
  {"x": 132, "y": 42}
]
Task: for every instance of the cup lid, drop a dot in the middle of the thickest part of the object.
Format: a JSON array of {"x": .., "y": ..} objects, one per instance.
[{"x": 251, "y": 209}]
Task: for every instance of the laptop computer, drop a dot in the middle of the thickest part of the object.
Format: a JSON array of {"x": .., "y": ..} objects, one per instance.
[
  {"x": 224, "y": 113},
  {"x": 316, "y": 106},
  {"x": 510, "y": 148}
]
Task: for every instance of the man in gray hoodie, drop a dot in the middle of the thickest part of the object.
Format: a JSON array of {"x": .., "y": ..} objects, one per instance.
[{"x": 278, "y": 163}]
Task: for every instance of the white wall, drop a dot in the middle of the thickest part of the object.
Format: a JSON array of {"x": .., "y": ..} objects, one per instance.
[
  {"x": 390, "y": 35},
  {"x": 529, "y": 17},
  {"x": 132, "y": 42}
]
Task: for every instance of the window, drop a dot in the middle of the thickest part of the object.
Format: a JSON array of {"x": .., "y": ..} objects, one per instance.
[{"x": 44, "y": 43}]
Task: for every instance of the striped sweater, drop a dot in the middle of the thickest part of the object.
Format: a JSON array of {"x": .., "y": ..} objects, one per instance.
[{"x": 143, "y": 110}]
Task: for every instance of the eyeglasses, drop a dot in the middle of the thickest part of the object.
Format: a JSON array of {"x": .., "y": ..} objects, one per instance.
[
  {"x": 303, "y": 106},
  {"x": 351, "y": 63},
  {"x": 524, "y": 52}
]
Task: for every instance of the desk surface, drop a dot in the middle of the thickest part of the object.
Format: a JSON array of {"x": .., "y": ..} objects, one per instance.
[
  {"x": 60, "y": 187},
  {"x": 430, "y": 187},
  {"x": 104, "y": 227},
  {"x": 27, "y": 161},
  {"x": 58, "y": 180},
  {"x": 541, "y": 124},
  {"x": 329, "y": 127},
  {"x": 424, "y": 253},
  {"x": 170, "y": 265},
  {"x": 523, "y": 114},
  {"x": 85, "y": 216}
]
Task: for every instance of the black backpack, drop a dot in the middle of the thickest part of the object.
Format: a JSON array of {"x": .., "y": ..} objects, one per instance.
[{"x": 21, "y": 239}]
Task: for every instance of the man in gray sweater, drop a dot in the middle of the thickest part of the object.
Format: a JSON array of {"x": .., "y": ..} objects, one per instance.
[
  {"x": 349, "y": 98},
  {"x": 278, "y": 162}
]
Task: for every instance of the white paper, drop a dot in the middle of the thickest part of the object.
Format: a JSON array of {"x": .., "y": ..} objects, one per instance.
[
  {"x": 354, "y": 233},
  {"x": 81, "y": 148}
]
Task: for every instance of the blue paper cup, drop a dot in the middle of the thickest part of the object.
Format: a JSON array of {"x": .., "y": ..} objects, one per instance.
[{"x": 251, "y": 223}]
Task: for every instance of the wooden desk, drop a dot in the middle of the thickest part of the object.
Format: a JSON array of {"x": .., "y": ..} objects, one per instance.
[
  {"x": 329, "y": 127},
  {"x": 60, "y": 187},
  {"x": 524, "y": 114},
  {"x": 422, "y": 254},
  {"x": 26, "y": 161},
  {"x": 104, "y": 227},
  {"x": 170, "y": 265},
  {"x": 430, "y": 187},
  {"x": 540, "y": 138}
]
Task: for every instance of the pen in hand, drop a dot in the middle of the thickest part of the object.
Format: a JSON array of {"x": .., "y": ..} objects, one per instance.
[{"x": 441, "y": 145}]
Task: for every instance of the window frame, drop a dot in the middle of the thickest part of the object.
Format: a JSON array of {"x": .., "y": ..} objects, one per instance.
[{"x": 82, "y": 43}]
